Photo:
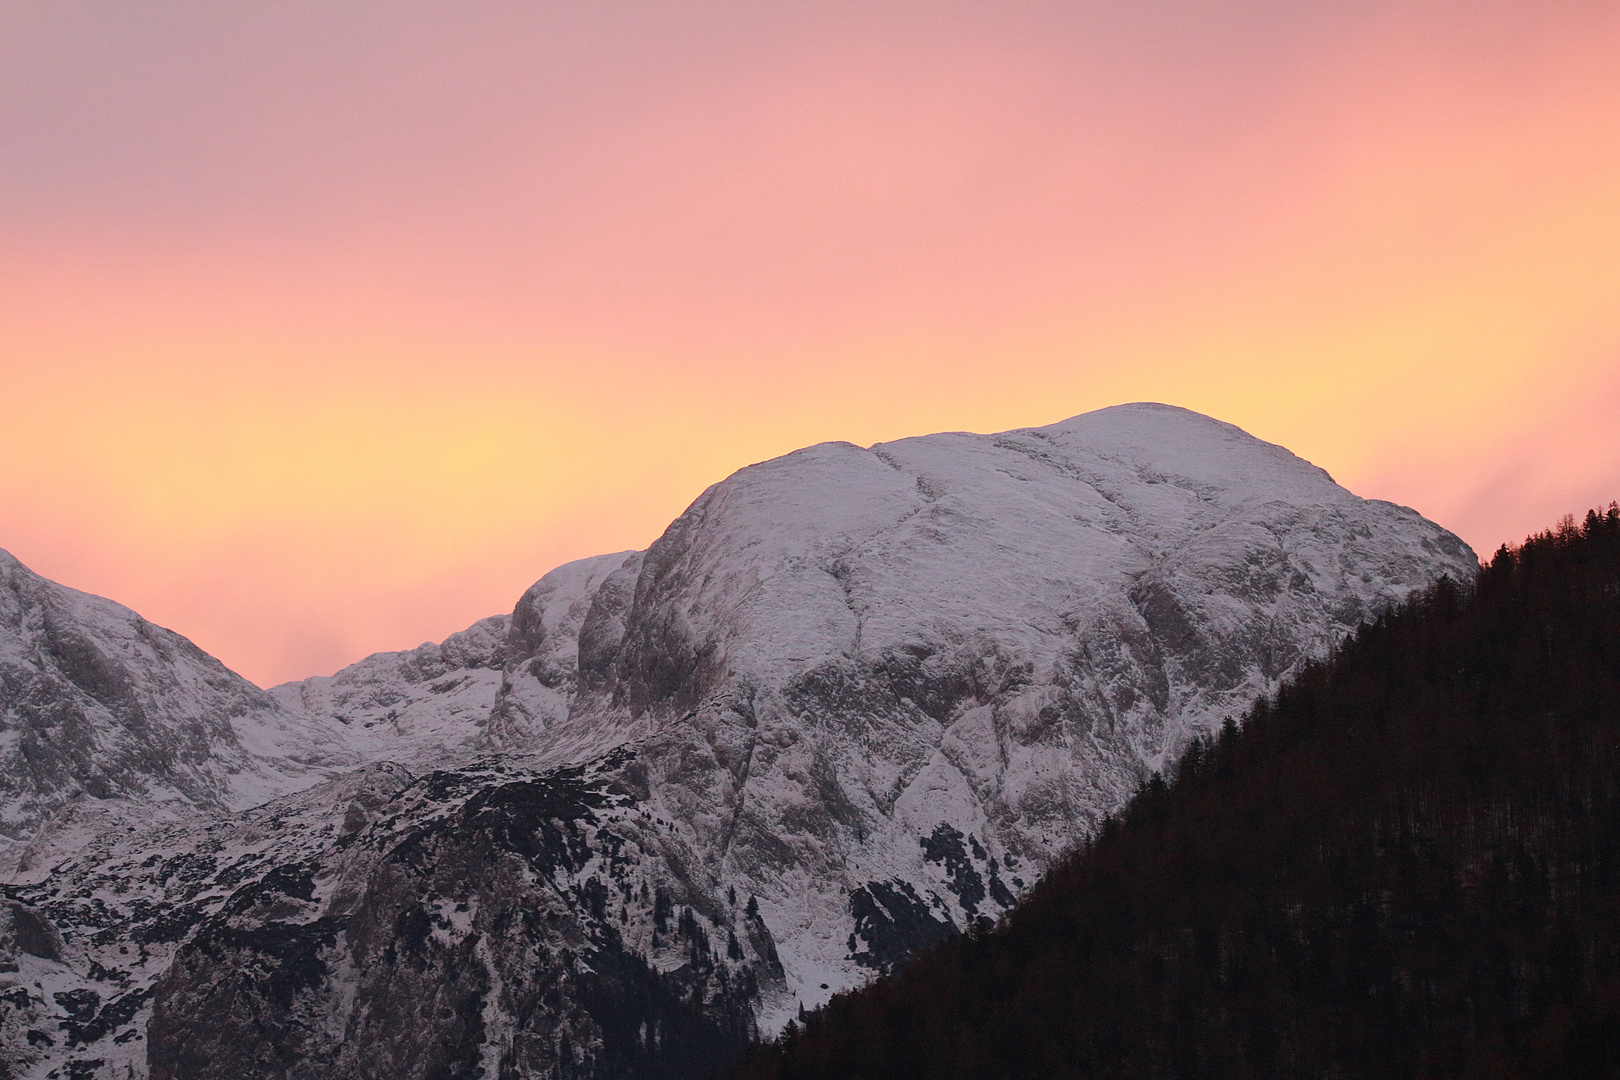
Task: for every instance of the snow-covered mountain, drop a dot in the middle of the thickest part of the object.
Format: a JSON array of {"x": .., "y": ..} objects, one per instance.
[
  {"x": 105, "y": 716},
  {"x": 850, "y": 700},
  {"x": 502, "y": 683}
]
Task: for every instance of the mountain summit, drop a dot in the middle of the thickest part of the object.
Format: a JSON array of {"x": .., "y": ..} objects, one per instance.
[{"x": 850, "y": 701}]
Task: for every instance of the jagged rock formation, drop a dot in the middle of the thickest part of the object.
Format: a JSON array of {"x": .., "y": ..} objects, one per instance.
[{"x": 869, "y": 692}]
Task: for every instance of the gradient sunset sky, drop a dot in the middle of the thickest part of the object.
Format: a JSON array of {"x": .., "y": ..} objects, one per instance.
[{"x": 328, "y": 327}]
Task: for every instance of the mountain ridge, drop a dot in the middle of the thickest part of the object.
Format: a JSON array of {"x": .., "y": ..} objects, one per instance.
[
  {"x": 852, "y": 700},
  {"x": 106, "y": 711}
]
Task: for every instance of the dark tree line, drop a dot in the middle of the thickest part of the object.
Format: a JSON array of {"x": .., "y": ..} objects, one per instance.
[{"x": 1406, "y": 864}]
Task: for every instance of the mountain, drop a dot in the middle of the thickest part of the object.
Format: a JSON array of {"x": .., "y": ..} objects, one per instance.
[
  {"x": 885, "y": 687},
  {"x": 1405, "y": 863},
  {"x": 502, "y": 683},
  {"x": 851, "y": 701},
  {"x": 105, "y": 716}
]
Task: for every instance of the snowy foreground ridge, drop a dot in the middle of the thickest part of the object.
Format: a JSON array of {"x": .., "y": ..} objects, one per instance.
[{"x": 851, "y": 700}]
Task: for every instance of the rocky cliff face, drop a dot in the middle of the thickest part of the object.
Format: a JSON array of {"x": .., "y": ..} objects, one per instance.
[
  {"x": 489, "y": 917},
  {"x": 852, "y": 700}
]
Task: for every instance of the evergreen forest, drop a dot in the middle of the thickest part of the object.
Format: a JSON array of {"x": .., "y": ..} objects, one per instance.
[{"x": 1406, "y": 863}]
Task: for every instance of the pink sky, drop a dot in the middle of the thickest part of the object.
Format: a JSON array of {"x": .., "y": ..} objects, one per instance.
[{"x": 327, "y": 328}]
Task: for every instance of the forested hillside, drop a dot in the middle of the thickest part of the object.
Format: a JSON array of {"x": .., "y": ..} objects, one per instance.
[{"x": 1405, "y": 864}]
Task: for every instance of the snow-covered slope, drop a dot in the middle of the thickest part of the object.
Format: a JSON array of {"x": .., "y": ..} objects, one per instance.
[
  {"x": 105, "y": 716},
  {"x": 850, "y": 700},
  {"x": 500, "y": 684},
  {"x": 432, "y": 699},
  {"x": 889, "y": 685}
]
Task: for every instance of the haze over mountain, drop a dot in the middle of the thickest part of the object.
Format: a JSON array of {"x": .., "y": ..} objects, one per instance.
[{"x": 850, "y": 701}]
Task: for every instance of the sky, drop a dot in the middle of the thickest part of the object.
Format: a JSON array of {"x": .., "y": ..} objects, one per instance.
[{"x": 327, "y": 328}]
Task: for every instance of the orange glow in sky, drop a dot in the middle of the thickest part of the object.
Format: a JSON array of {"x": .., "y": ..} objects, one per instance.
[{"x": 327, "y": 328}]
